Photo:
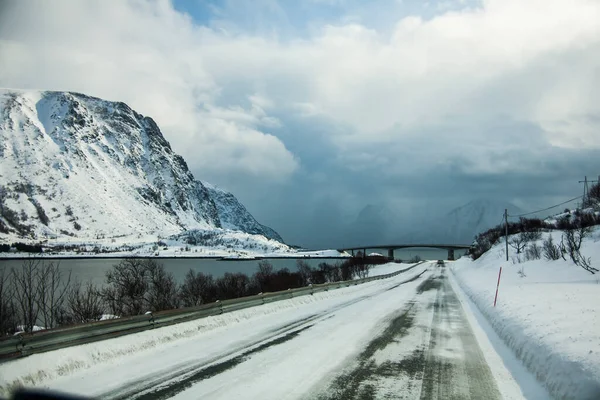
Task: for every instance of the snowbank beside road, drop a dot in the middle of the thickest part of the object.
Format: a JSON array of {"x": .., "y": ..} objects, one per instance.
[
  {"x": 388, "y": 268},
  {"x": 550, "y": 317}
]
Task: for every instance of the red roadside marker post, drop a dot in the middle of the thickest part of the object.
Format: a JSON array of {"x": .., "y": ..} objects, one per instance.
[{"x": 497, "y": 286}]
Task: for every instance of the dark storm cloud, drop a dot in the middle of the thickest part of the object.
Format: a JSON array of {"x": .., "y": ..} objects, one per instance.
[{"x": 311, "y": 111}]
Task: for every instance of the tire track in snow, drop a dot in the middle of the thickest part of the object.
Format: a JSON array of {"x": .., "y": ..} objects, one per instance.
[
  {"x": 166, "y": 384},
  {"x": 426, "y": 351},
  {"x": 447, "y": 376}
]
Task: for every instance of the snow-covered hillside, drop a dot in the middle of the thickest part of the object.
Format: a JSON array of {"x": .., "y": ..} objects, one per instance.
[
  {"x": 547, "y": 313},
  {"x": 74, "y": 166},
  {"x": 233, "y": 215}
]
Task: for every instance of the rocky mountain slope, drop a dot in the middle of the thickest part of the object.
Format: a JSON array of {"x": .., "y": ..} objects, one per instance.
[
  {"x": 72, "y": 165},
  {"x": 233, "y": 215}
]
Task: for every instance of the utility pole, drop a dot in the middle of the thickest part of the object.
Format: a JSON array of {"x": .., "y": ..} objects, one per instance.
[
  {"x": 586, "y": 192},
  {"x": 506, "y": 231}
]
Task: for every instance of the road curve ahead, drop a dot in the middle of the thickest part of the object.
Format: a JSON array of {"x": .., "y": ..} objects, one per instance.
[{"x": 405, "y": 337}]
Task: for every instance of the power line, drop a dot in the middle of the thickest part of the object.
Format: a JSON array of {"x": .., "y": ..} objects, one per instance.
[
  {"x": 586, "y": 192},
  {"x": 545, "y": 209}
]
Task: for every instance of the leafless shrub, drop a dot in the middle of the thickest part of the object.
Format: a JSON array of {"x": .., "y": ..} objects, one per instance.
[
  {"x": 263, "y": 275},
  {"x": 197, "y": 289},
  {"x": 518, "y": 242},
  {"x": 363, "y": 270},
  {"x": 305, "y": 272},
  {"x": 231, "y": 286},
  {"x": 85, "y": 303},
  {"x": 8, "y": 322},
  {"x": 550, "y": 250},
  {"x": 572, "y": 239},
  {"x": 533, "y": 252},
  {"x": 331, "y": 273},
  {"x": 532, "y": 235},
  {"x": 52, "y": 288},
  {"x": 594, "y": 196}
]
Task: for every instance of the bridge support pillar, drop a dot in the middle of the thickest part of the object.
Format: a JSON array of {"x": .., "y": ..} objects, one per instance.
[
  {"x": 451, "y": 254},
  {"x": 352, "y": 252},
  {"x": 364, "y": 253},
  {"x": 391, "y": 254}
]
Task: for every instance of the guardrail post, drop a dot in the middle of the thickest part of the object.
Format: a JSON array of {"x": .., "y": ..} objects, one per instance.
[
  {"x": 220, "y": 306},
  {"x": 21, "y": 345},
  {"x": 262, "y": 297},
  {"x": 150, "y": 318}
]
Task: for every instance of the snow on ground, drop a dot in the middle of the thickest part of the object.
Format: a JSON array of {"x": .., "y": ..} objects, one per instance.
[
  {"x": 65, "y": 369},
  {"x": 234, "y": 245},
  {"x": 550, "y": 318},
  {"x": 387, "y": 268}
]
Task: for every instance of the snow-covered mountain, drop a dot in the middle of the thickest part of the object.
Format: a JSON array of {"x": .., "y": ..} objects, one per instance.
[
  {"x": 380, "y": 224},
  {"x": 72, "y": 165},
  {"x": 233, "y": 215},
  {"x": 461, "y": 224}
]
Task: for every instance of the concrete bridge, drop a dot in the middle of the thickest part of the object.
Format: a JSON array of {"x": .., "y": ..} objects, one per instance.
[{"x": 390, "y": 248}]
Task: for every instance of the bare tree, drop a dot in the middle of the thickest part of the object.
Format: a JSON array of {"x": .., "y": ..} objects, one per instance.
[
  {"x": 85, "y": 303},
  {"x": 52, "y": 289},
  {"x": 8, "y": 323},
  {"x": 263, "y": 276},
  {"x": 231, "y": 286},
  {"x": 197, "y": 289},
  {"x": 127, "y": 285},
  {"x": 305, "y": 271},
  {"x": 26, "y": 288},
  {"x": 162, "y": 289}
]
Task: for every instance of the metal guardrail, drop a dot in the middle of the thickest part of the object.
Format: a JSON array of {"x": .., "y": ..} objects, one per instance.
[{"x": 38, "y": 342}]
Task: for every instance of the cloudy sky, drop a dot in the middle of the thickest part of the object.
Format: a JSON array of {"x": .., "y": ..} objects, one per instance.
[{"x": 311, "y": 110}]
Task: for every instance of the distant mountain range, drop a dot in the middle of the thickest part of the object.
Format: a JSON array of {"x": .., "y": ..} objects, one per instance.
[
  {"x": 75, "y": 166},
  {"x": 379, "y": 224}
]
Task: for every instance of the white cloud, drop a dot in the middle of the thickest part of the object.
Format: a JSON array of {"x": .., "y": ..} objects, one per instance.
[
  {"x": 441, "y": 85},
  {"x": 149, "y": 56}
]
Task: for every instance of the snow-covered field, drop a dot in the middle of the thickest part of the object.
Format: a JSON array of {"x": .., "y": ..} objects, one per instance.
[
  {"x": 549, "y": 318},
  {"x": 235, "y": 245}
]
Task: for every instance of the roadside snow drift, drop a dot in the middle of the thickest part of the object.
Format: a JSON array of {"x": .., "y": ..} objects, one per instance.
[{"x": 548, "y": 313}]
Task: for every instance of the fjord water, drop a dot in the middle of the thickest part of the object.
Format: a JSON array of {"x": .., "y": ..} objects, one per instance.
[{"x": 94, "y": 269}]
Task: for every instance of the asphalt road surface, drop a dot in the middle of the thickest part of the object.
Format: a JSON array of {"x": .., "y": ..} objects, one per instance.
[
  {"x": 420, "y": 355},
  {"x": 405, "y": 337}
]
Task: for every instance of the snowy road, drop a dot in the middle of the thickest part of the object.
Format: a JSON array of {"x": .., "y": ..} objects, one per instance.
[{"x": 404, "y": 337}]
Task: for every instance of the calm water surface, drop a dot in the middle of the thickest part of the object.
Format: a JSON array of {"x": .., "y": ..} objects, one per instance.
[{"x": 95, "y": 269}]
